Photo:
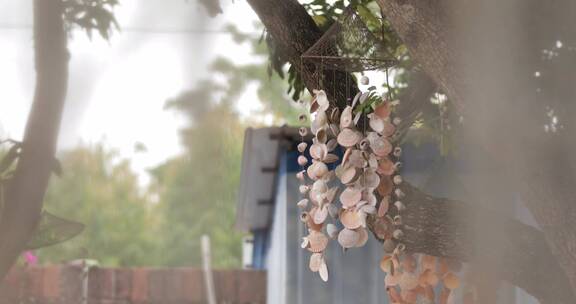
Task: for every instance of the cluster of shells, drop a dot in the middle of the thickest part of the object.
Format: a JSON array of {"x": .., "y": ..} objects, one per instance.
[
  {"x": 410, "y": 278},
  {"x": 369, "y": 181}
]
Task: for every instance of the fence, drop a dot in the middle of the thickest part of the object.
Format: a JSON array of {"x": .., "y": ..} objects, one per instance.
[{"x": 65, "y": 285}]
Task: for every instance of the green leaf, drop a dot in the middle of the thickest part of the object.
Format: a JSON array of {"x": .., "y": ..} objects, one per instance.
[{"x": 53, "y": 230}]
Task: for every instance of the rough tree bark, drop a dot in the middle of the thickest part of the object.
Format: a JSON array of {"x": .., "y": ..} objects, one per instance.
[
  {"x": 441, "y": 227},
  {"x": 25, "y": 191}
]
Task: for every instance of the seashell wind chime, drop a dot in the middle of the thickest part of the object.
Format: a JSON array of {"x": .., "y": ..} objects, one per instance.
[
  {"x": 370, "y": 179},
  {"x": 368, "y": 166},
  {"x": 368, "y": 174}
]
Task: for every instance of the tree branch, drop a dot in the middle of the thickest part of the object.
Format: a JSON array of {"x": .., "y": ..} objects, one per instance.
[
  {"x": 440, "y": 227},
  {"x": 26, "y": 190}
]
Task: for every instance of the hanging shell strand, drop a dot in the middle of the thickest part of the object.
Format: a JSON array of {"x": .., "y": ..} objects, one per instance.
[{"x": 318, "y": 205}]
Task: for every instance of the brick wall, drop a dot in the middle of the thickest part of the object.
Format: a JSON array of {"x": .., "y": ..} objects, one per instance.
[{"x": 63, "y": 285}]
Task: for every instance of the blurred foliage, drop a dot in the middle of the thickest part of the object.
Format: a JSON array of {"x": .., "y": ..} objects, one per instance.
[
  {"x": 101, "y": 191},
  {"x": 190, "y": 195},
  {"x": 92, "y": 15},
  {"x": 197, "y": 191}
]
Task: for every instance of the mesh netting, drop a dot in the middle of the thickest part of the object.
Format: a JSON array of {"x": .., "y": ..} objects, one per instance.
[{"x": 349, "y": 46}]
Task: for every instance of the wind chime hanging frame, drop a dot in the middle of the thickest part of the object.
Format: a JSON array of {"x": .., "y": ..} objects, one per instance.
[{"x": 368, "y": 172}]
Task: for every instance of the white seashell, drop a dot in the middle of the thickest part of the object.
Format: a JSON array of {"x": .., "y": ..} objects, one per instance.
[
  {"x": 397, "y": 179},
  {"x": 380, "y": 146},
  {"x": 398, "y": 192},
  {"x": 316, "y": 260},
  {"x": 318, "y": 151},
  {"x": 386, "y": 166},
  {"x": 400, "y": 206},
  {"x": 397, "y": 151},
  {"x": 349, "y": 175},
  {"x": 351, "y": 219},
  {"x": 356, "y": 159},
  {"x": 315, "y": 196},
  {"x": 372, "y": 161},
  {"x": 320, "y": 215},
  {"x": 321, "y": 135},
  {"x": 388, "y": 129},
  {"x": 348, "y": 238},
  {"x": 386, "y": 264},
  {"x": 335, "y": 115},
  {"x": 330, "y": 158},
  {"x": 302, "y": 160},
  {"x": 408, "y": 281},
  {"x": 318, "y": 241},
  {"x": 397, "y": 220},
  {"x": 364, "y": 80},
  {"x": 334, "y": 130},
  {"x": 331, "y": 194},
  {"x": 396, "y": 121},
  {"x": 364, "y": 144},
  {"x": 319, "y": 122},
  {"x": 392, "y": 280},
  {"x": 303, "y": 203},
  {"x": 349, "y": 137},
  {"x": 370, "y": 179},
  {"x": 375, "y": 123},
  {"x": 383, "y": 110},
  {"x": 346, "y": 120},
  {"x": 323, "y": 271},
  {"x": 332, "y": 144},
  {"x": 300, "y": 175},
  {"x": 320, "y": 186},
  {"x": 317, "y": 170},
  {"x": 398, "y": 234},
  {"x": 350, "y": 196},
  {"x": 368, "y": 209},
  {"x": 302, "y": 147},
  {"x": 356, "y": 98},
  {"x": 362, "y": 237},
  {"x": 369, "y": 197},
  {"x": 322, "y": 100},
  {"x": 304, "y": 243},
  {"x": 304, "y": 189},
  {"x": 332, "y": 230}
]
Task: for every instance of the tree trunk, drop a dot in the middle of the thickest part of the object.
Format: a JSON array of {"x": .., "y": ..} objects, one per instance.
[
  {"x": 440, "y": 227},
  {"x": 25, "y": 192}
]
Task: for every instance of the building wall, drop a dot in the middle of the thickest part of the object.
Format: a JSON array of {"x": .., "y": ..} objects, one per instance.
[{"x": 354, "y": 275}]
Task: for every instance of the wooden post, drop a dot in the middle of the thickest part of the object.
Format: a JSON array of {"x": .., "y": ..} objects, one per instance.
[{"x": 208, "y": 278}]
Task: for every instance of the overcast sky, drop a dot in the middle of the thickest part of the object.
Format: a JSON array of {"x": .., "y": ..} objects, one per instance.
[{"x": 117, "y": 89}]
